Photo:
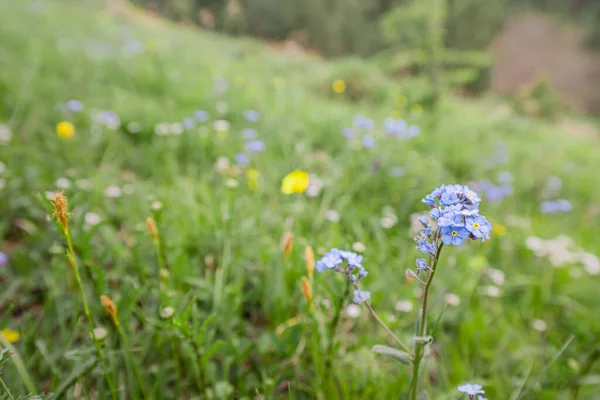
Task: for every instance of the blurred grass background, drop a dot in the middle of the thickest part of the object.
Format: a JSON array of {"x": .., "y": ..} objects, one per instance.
[{"x": 221, "y": 237}]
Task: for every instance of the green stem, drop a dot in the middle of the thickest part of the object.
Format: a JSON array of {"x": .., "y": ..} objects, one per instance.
[
  {"x": 333, "y": 328},
  {"x": 414, "y": 385},
  {"x": 197, "y": 353},
  {"x": 387, "y": 329},
  {"x": 86, "y": 309},
  {"x": 136, "y": 371},
  {"x": 6, "y": 389}
]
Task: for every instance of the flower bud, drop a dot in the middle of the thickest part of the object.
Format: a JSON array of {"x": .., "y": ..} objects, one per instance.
[{"x": 309, "y": 258}]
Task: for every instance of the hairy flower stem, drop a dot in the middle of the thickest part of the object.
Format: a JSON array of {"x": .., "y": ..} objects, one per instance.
[
  {"x": 333, "y": 328},
  {"x": 86, "y": 310},
  {"x": 387, "y": 329},
  {"x": 419, "y": 347},
  {"x": 3, "y": 385}
]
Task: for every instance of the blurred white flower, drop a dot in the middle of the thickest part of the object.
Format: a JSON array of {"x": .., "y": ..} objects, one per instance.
[
  {"x": 353, "y": 311},
  {"x": 403, "y": 305},
  {"x": 231, "y": 183},
  {"x": 176, "y": 128},
  {"x": 539, "y": 325},
  {"x": 332, "y": 216},
  {"x": 92, "y": 219},
  {"x": 50, "y": 195},
  {"x": 156, "y": 206},
  {"x": 491, "y": 291},
  {"x": 83, "y": 184},
  {"x": 326, "y": 303},
  {"x": 134, "y": 127},
  {"x": 496, "y": 275},
  {"x": 222, "y": 164},
  {"x": 451, "y": 299},
  {"x": 5, "y": 134},
  {"x": 167, "y": 312},
  {"x": 63, "y": 183},
  {"x": 314, "y": 186},
  {"x": 388, "y": 222},
  {"x": 221, "y": 125},
  {"x": 591, "y": 263},
  {"x": 358, "y": 247},
  {"x": 112, "y": 192},
  {"x": 162, "y": 128},
  {"x": 100, "y": 333}
]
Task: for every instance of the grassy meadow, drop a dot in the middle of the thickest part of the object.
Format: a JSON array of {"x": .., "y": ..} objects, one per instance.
[{"x": 164, "y": 114}]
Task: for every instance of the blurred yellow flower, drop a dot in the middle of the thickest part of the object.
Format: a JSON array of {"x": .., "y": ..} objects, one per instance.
[
  {"x": 294, "y": 182},
  {"x": 10, "y": 335},
  {"x": 65, "y": 129},
  {"x": 339, "y": 86},
  {"x": 401, "y": 101},
  {"x": 252, "y": 176},
  {"x": 499, "y": 229},
  {"x": 416, "y": 110}
]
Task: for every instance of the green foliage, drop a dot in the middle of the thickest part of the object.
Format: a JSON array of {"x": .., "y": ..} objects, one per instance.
[
  {"x": 241, "y": 327},
  {"x": 539, "y": 100}
]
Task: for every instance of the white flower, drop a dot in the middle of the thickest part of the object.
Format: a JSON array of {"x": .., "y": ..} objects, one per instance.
[
  {"x": 221, "y": 125},
  {"x": 591, "y": 263},
  {"x": 112, "y": 192},
  {"x": 83, "y": 184},
  {"x": 63, "y": 183},
  {"x": 222, "y": 164},
  {"x": 471, "y": 389},
  {"x": 167, "y": 312},
  {"x": 451, "y": 299},
  {"x": 100, "y": 333},
  {"x": 403, "y": 305},
  {"x": 332, "y": 216},
  {"x": 491, "y": 291},
  {"x": 231, "y": 183},
  {"x": 5, "y": 134},
  {"x": 539, "y": 325},
  {"x": 161, "y": 129},
  {"x": 50, "y": 195},
  {"x": 388, "y": 222},
  {"x": 92, "y": 219},
  {"x": 156, "y": 206},
  {"x": 496, "y": 275},
  {"x": 358, "y": 247},
  {"x": 176, "y": 128},
  {"x": 133, "y": 127},
  {"x": 353, "y": 311}
]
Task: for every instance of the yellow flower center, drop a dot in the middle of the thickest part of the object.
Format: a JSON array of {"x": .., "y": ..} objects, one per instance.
[
  {"x": 476, "y": 225},
  {"x": 454, "y": 233}
]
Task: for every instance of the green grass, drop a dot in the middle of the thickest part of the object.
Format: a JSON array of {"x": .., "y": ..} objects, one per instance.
[{"x": 228, "y": 280}]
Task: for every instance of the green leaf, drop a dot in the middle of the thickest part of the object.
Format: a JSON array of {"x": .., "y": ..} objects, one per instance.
[
  {"x": 423, "y": 339},
  {"x": 71, "y": 379},
  {"x": 399, "y": 355}
]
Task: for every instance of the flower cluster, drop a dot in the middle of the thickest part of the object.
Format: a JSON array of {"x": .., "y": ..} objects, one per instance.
[
  {"x": 471, "y": 389},
  {"x": 556, "y": 206},
  {"x": 349, "y": 264},
  {"x": 455, "y": 208}
]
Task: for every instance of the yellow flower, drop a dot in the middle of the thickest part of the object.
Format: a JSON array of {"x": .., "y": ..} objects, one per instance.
[
  {"x": 252, "y": 176},
  {"x": 339, "y": 86},
  {"x": 499, "y": 229},
  {"x": 401, "y": 101},
  {"x": 416, "y": 110},
  {"x": 10, "y": 336},
  {"x": 65, "y": 129},
  {"x": 294, "y": 182}
]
